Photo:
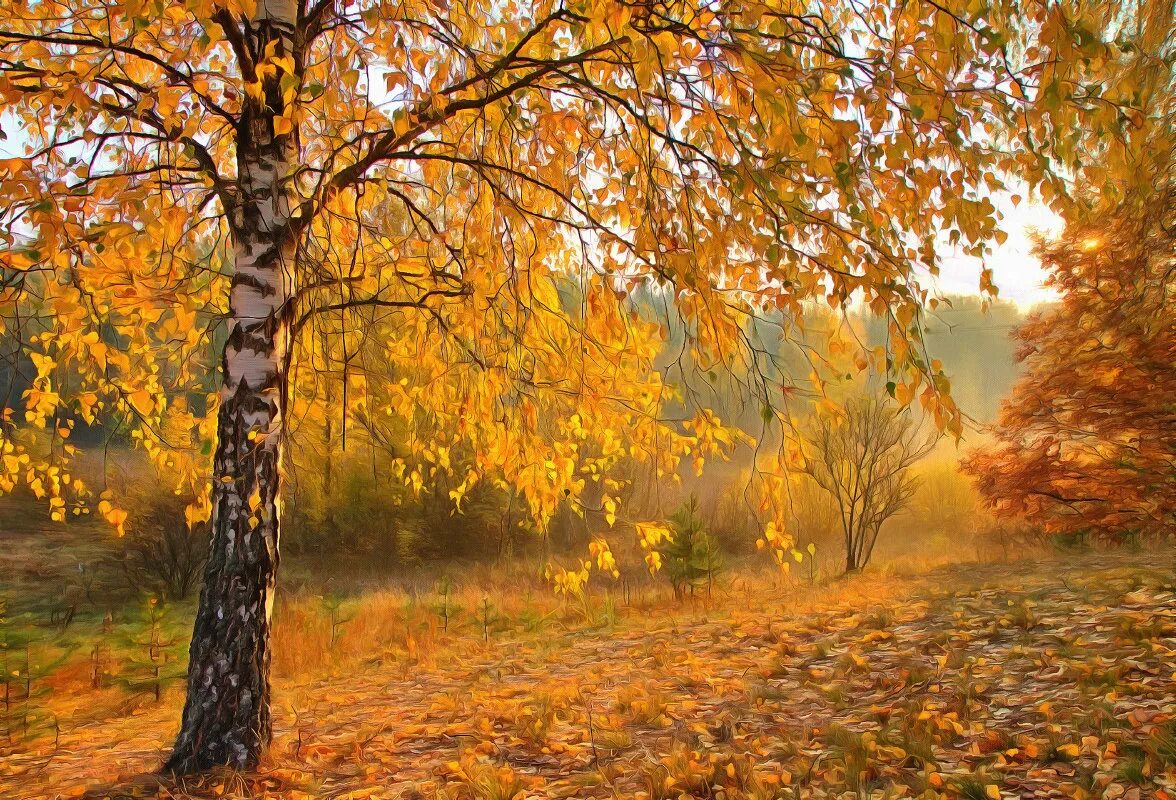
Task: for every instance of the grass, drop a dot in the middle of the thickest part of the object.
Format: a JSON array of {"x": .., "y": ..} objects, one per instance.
[
  {"x": 973, "y": 788},
  {"x": 488, "y": 685},
  {"x": 853, "y": 750},
  {"x": 917, "y": 740},
  {"x": 1162, "y": 744},
  {"x": 1133, "y": 770}
]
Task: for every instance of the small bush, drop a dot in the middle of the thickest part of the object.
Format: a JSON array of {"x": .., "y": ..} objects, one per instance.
[{"x": 160, "y": 554}]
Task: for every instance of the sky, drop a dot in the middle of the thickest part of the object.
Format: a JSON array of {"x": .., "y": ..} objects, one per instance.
[{"x": 1017, "y": 273}]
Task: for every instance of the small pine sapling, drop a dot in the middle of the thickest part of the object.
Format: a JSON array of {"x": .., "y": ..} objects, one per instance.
[
  {"x": 444, "y": 608},
  {"x": 333, "y": 605},
  {"x": 25, "y": 665},
  {"x": 692, "y": 557}
]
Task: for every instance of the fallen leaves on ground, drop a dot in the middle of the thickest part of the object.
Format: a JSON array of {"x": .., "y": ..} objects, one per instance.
[{"x": 1048, "y": 680}]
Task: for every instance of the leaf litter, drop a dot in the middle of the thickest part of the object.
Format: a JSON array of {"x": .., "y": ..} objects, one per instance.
[{"x": 1047, "y": 680}]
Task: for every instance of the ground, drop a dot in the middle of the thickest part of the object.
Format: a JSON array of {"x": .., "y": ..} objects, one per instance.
[{"x": 1033, "y": 679}]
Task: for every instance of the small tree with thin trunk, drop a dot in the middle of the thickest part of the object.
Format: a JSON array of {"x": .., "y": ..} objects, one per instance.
[{"x": 862, "y": 459}]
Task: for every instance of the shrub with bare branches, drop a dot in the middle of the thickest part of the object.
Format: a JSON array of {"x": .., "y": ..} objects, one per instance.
[
  {"x": 862, "y": 459},
  {"x": 161, "y": 554}
]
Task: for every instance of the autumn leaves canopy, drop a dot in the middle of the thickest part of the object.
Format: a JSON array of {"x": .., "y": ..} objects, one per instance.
[
  {"x": 1086, "y": 446},
  {"x": 201, "y": 193},
  {"x": 452, "y": 166}
]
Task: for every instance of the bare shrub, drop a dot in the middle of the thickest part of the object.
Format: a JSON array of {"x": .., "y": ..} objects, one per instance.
[
  {"x": 160, "y": 554},
  {"x": 863, "y": 461}
]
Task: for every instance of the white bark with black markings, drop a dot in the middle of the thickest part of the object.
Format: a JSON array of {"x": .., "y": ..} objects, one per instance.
[{"x": 227, "y": 714}]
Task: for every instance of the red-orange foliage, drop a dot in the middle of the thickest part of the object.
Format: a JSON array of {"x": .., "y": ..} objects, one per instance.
[{"x": 1087, "y": 442}]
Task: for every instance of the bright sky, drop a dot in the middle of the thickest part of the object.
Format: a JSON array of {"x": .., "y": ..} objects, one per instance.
[{"x": 1016, "y": 271}]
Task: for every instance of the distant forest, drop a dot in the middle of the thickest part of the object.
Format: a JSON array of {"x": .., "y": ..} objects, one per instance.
[{"x": 976, "y": 348}]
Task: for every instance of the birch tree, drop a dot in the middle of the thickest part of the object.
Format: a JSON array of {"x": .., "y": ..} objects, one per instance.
[{"x": 219, "y": 173}]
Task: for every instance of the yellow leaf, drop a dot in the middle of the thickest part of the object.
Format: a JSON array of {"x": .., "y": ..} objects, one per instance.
[
  {"x": 610, "y": 511},
  {"x": 142, "y": 401}
]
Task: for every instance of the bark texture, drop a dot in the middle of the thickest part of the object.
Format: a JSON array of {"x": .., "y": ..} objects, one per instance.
[{"x": 226, "y": 717}]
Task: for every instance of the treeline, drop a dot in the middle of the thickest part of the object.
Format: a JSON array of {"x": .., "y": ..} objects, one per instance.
[{"x": 351, "y": 501}]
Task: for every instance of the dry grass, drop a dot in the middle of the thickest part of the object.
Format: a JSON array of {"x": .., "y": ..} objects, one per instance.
[{"x": 670, "y": 700}]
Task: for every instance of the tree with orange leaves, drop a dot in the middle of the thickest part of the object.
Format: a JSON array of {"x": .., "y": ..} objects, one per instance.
[{"x": 1087, "y": 442}]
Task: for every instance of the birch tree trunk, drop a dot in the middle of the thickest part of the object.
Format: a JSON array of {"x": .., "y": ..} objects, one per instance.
[{"x": 227, "y": 712}]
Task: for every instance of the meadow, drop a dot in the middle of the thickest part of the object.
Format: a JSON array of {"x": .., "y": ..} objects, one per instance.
[{"x": 1045, "y": 676}]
